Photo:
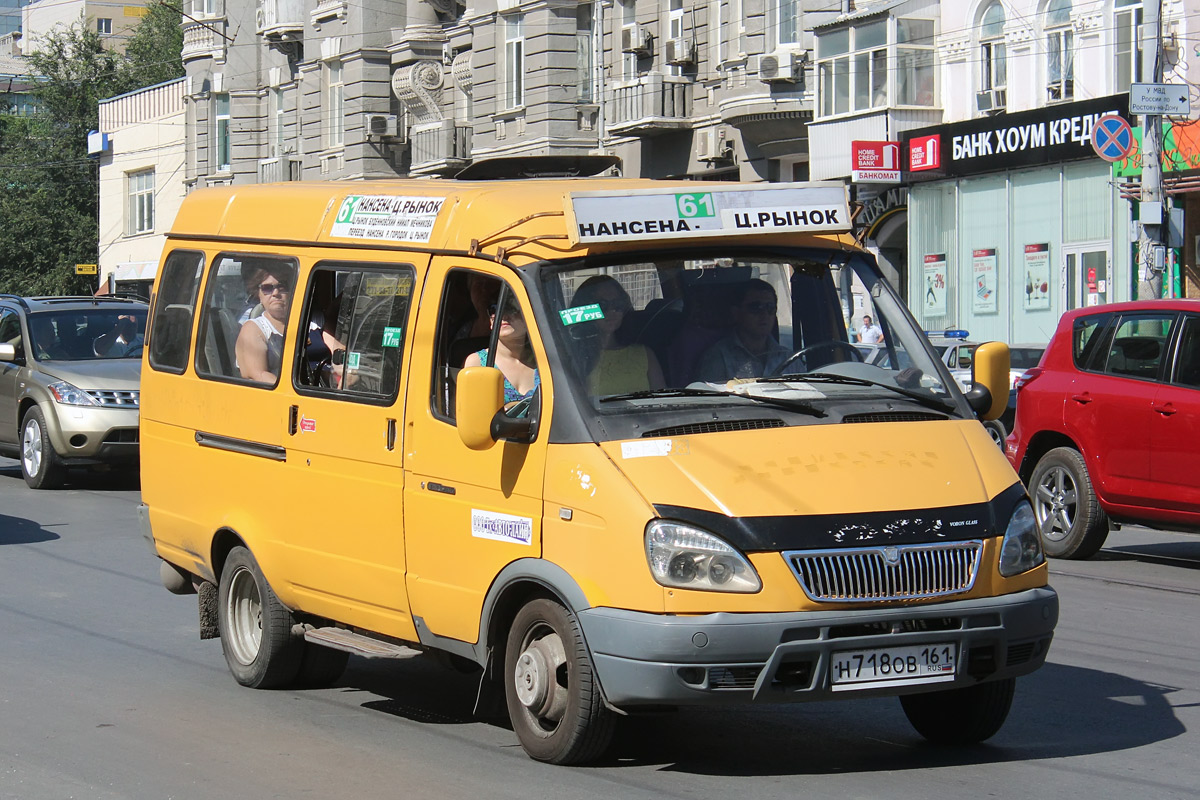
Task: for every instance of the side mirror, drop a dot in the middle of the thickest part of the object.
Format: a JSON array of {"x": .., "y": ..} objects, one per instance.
[
  {"x": 479, "y": 395},
  {"x": 988, "y": 396},
  {"x": 8, "y": 352}
]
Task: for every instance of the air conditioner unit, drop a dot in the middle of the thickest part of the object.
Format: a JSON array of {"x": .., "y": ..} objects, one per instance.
[
  {"x": 712, "y": 145},
  {"x": 679, "y": 52},
  {"x": 637, "y": 40},
  {"x": 781, "y": 66},
  {"x": 991, "y": 100},
  {"x": 381, "y": 126}
]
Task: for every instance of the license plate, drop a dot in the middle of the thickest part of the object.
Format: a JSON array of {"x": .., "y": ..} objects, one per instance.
[{"x": 892, "y": 666}]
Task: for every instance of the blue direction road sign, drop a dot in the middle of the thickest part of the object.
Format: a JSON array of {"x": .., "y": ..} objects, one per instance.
[{"x": 1112, "y": 138}]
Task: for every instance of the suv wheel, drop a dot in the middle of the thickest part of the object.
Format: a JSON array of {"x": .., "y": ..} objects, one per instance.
[
  {"x": 40, "y": 465},
  {"x": 1072, "y": 523},
  {"x": 995, "y": 429}
]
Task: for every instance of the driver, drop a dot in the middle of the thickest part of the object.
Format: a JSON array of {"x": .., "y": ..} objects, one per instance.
[
  {"x": 750, "y": 350},
  {"x": 125, "y": 339}
]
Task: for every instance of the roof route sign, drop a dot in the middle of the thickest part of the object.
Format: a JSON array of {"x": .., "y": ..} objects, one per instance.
[
  {"x": 1159, "y": 98},
  {"x": 1112, "y": 138}
]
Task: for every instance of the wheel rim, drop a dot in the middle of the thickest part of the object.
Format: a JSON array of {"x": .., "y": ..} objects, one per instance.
[
  {"x": 997, "y": 435},
  {"x": 541, "y": 677},
  {"x": 1055, "y": 500},
  {"x": 31, "y": 447},
  {"x": 244, "y": 612}
]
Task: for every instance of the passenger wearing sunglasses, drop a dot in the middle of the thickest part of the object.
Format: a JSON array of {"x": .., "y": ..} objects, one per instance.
[
  {"x": 614, "y": 364},
  {"x": 259, "y": 345},
  {"x": 750, "y": 349},
  {"x": 514, "y": 354}
]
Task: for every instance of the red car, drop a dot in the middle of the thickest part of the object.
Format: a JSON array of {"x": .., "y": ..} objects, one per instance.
[{"x": 1108, "y": 424}]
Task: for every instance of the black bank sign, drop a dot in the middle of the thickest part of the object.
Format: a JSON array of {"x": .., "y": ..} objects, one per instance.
[{"x": 1007, "y": 141}]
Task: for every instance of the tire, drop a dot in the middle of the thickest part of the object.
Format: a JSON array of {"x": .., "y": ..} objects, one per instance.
[
  {"x": 995, "y": 429},
  {"x": 1069, "y": 516},
  {"x": 40, "y": 465},
  {"x": 320, "y": 667},
  {"x": 553, "y": 697},
  {"x": 961, "y": 716},
  {"x": 255, "y": 628}
]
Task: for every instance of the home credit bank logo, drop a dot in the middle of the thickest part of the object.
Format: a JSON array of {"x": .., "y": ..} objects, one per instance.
[
  {"x": 925, "y": 152},
  {"x": 875, "y": 162}
]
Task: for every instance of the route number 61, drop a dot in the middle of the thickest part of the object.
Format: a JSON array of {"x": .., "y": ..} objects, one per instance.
[{"x": 695, "y": 205}]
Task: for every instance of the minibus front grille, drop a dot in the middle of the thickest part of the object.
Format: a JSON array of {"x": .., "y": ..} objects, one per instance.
[
  {"x": 127, "y": 398},
  {"x": 716, "y": 427},
  {"x": 894, "y": 416},
  {"x": 875, "y": 574}
]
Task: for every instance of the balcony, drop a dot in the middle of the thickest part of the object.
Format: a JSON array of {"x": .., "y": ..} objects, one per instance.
[
  {"x": 440, "y": 148},
  {"x": 652, "y": 103},
  {"x": 276, "y": 170},
  {"x": 204, "y": 39},
  {"x": 281, "y": 20}
]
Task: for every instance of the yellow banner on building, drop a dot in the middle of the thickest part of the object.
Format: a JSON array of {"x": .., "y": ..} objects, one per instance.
[{"x": 85, "y": 269}]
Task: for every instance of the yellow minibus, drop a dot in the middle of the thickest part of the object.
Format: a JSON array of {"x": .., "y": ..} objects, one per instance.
[{"x": 605, "y": 440}]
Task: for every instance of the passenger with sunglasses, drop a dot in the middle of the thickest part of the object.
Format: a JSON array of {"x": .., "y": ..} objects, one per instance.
[
  {"x": 514, "y": 354},
  {"x": 613, "y": 363},
  {"x": 750, "y": 350},
  {"x": 259, "y": 345}
]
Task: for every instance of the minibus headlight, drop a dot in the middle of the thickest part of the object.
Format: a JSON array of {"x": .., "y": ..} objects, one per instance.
[
  {"x": 684, "y": 557},
  {"x": 70, "y": 395},
  {"x": 1021, "y": 549}
]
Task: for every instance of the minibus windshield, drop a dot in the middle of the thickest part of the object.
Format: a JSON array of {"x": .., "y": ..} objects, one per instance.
[{"x": 760, "y": 330}]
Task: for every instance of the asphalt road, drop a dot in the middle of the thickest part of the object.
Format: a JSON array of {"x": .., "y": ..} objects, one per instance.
[{"x": 107, "y": 692}]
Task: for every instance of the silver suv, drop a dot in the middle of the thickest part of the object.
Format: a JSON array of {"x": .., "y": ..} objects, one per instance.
[{"x": 69, "y": 374}]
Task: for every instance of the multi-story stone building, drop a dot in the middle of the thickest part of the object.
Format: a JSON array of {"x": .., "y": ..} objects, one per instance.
[
  {"x": 288, "y": 89},
  {"x": 114, "y": 20}
]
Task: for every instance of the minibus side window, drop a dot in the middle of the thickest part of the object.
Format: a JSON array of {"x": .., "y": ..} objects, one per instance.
[
  {"x": 355, "y": 317},
  {"x": 174, "y": 310},
  {"x": 247, "y": 300},
  {"x": 464, "y": 327}
]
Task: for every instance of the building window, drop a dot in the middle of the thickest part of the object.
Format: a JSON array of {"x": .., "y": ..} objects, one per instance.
[
  {"x": 1060, "y": 53},
  {"x": 221, "y": 148},
  {"x": 335, "y": 104},
  {"x": 585, "y": 52},
  {"x": 103, "y": 25},
  {"x": 853, "y": 68},
  {"x": 1129, "y": 43},
  {"x": 993, "y": 78},
  {"x": 141, "y": 202},
  {"x": 785, "y": 21},
  {"x": 915, "y": 72},
  {"x": 277, "y": 121},
  {"x": 514, "y": 61},
  {"x": 629, "y": 39},
  {"x": 204, "y": 8}
]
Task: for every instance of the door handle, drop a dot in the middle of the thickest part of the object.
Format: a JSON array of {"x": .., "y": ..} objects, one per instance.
[
  {"x": 1166, "y": 409},
  {"x": 390, "y": 436},
  {"x": 293, "y": 420},
  {"x": 1082, "y": 399}
]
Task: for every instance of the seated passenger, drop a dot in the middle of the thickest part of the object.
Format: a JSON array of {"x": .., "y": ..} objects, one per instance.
[
  {"x": 124, "y": 340},
  {"x": 612, "y": 364},
  {"x": 514, "y": 355},
  {"x": 45, "y": 341},
  {"x": 259, "y": 345},
  {"x": 749, "y": 350}
]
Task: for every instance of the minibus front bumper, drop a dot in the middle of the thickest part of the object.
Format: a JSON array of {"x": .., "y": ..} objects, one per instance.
[{"x": 646, "y": 659}]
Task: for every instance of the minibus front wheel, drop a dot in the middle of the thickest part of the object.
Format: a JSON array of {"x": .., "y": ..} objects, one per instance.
[
  {"x": 551, "y": 689},
  {"x": 256, "y": 629},
  {"x": 961, "y": 716}
]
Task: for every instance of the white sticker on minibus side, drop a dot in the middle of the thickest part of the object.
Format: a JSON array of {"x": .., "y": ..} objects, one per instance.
[
  {"x": 665, "y": 214},
  {"x": 387, "y": 217},
  {"x": 501, "y": 527},
  {"x": 646, "y": 449}
]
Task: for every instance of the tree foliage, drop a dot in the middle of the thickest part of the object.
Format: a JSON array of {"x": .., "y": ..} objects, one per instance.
[{"x": 49, "y": 187}]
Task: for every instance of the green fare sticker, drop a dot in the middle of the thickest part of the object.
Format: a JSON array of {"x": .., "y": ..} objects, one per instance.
[
  {"x": 698, "y": 204},
  {"x": 391, "y": 337},
  {"x": 352, "y": 360},
  {"x": 590, "y": 313}
]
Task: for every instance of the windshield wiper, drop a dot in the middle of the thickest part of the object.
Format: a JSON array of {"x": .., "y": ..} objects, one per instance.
[
  {"x": 825, "y": 377},
  {"x": 778, "y": 402}
]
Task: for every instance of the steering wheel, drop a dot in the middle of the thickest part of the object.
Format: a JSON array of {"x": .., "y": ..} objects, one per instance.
[{"x": 802, "y": 352}]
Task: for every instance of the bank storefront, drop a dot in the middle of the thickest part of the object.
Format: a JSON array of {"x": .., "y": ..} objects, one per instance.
[{"x": 1013, "y": 220}]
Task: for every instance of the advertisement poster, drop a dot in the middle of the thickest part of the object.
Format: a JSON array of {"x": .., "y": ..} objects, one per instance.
[
  {"x": 1037, "y": 276},
  {"x": 935, "y": 285},
  {"x": 983, "y": 276}
]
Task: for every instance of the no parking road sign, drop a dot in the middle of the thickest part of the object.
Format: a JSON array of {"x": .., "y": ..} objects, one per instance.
[{"x": 1112, "y": 138}]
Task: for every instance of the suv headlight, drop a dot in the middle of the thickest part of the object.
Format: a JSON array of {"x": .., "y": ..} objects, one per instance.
[
  {"x": 70, "y": 395},
  {"x": 1021, "y": 549},
  {"x": 688, "y": 558}
]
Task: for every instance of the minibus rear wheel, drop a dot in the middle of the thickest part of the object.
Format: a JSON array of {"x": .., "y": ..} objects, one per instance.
[
  {"x": 961, "y": 716},
  {"x": 553, "y": 696},
  {"x": 256, "y": 629}
]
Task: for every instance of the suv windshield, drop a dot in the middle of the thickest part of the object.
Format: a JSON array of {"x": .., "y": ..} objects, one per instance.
[
  {"x": 759, "y": 332},
  {"x": 87, "y": 335}
]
